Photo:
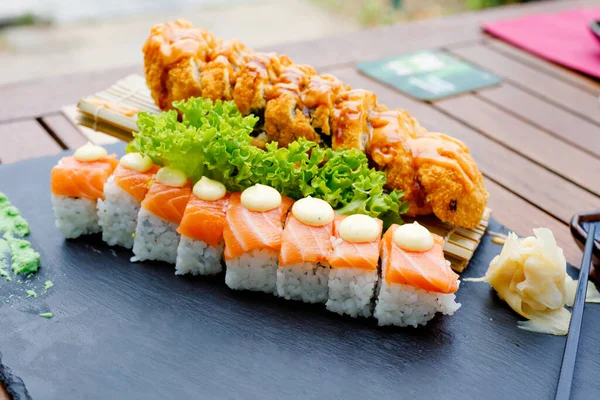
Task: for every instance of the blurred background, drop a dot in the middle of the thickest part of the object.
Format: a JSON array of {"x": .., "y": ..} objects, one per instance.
[{"x": 40, "y": 38}]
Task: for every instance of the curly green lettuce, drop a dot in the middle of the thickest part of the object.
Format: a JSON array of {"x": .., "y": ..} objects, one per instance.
[{"x": 213, "y": 139}]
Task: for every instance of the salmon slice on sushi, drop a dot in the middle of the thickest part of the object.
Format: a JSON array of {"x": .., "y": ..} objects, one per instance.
[
  {"x": 123, "y": 195},
  {"x": 354, "y": 264},
  {"x": 416, "y": 282},
  {"x": 201, "y": 245},
  {"x": 156, "y": 236},
  {"x": 303, "y": 268},
  {"x": 253, "y": 238},
  {"x": 77, "y": 183}
]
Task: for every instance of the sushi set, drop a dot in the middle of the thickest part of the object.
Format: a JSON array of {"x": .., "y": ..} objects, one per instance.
[
  {"x": 140, "y": 330},
  {"x": 270, "y": 232},
  {"x": 296, "y": 250}
]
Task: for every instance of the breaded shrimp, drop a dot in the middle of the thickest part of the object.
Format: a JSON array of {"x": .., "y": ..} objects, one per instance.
[{"x": 452, "y": 183}]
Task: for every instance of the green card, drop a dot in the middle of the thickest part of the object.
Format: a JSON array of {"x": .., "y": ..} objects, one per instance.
[{"x": 429, "y": 75}]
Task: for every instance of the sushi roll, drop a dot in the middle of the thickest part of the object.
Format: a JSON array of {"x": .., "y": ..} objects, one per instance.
[
  {"x": 354, "y": 261},
  {"x": 303, "y": 269},
  {"x": 156, "y": 236},
  {"x": 253, "y": 238},
  {"x": 77, "y": 183},
  {"x": 201, "y": 229},
  {"x": 416, "y": 282},
  {"x": 123, "y": 195}
]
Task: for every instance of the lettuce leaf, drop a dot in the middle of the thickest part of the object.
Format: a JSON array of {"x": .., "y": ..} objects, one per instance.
[{"x": 213, "y": 139}]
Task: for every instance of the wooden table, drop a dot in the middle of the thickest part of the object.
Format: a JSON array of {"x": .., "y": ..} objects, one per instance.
[{"x": 536, "y": 137}]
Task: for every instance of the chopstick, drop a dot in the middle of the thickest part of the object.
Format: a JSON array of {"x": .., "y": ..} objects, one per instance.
[{"x": 565, "y": 380}]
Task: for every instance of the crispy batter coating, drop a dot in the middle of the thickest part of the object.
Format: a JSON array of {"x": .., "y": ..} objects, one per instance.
[
  {"x": 285, "y": 122},
  {"x": 220, "y": 73},
  {"x": 435, "y": 171},
  {"x": 350, "y": 119},
  {"x": 173, "y": 56},
  {"x": 388, "y": 148},
  {"x": 255, "y": 79},
  {"x": 292, "y": 80},
  {"x": 320, "y": 96},
  {"x": 218, "y": 78},
  {"x": 234, "y": 51},
  {"x": 286, "y": 119}
]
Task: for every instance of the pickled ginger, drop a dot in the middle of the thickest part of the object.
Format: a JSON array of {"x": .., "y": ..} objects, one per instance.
[{"x": 529, "y": 274}]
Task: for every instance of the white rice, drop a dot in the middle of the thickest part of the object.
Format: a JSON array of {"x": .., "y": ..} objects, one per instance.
[
  {"x": 405, "y": 305},
  {"x": 75, "y": 216},
  {"x": 303, "y": 281},
  {"x": 255, "y": 270},
  {"x": 197, "y": 257},
  {"x": 155, "y": 238},
  {"x": 351, "y": 291},
  {"x": 117, "y": 215}
]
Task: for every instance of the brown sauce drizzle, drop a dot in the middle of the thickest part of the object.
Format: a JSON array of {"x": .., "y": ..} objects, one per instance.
[
  {"x": 292, "y": 81},
  {"x": 234, "y": 51},
  {"x": 178, "y": 41},
  {"x": 258, "y": 63},
  {"x": 322, "y": 90},
  {"x": 385, "y": 136},
  {"x": 450, "y": 154},
  {"x": 352, "y": 106}
]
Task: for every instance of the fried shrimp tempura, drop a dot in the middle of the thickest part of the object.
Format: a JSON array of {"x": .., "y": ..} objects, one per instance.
[
  {"x": 436, "y": 172},
  {"x": 450, "y": 178}
]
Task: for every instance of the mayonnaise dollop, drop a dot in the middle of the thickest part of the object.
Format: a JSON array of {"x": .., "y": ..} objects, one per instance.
[
  {"x": 136, "y": 162},
  {"x": 90, "y": 152},
  {"x": 313, "y": 212},
  {"x": 261, "y": 198},
  {"x": 413, "y": 237},
  {"x": 209, "y": 190},
  {"x": 359, "y": 228},
  {"x": 171, "y": 177}
]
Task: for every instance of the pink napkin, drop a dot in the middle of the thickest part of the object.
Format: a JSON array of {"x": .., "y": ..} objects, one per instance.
[{"x": 563, "y": 38}]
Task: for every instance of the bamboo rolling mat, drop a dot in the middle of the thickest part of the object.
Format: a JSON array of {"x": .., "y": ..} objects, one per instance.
[{"x": 110, "y": 115}]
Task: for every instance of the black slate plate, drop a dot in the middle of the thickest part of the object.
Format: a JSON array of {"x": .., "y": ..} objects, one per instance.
[{"x": 136, "y": 331}]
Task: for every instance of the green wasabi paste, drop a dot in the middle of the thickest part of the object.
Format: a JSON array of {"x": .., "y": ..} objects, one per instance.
[
  {"x": 25, "y": 260},
  {"x": 11, "y": 220},
  {"x": 47, "y": 315},
  {"x": 4, "y": 259},
  {"x": 4, "y": 274},
  {"x": 48, "y": 285}
]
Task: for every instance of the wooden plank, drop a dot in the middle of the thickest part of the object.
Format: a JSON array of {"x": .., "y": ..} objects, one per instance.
[
  {"x": 525, "y": 139},
  {"x": 40, "y": 97},
  {"x": 25, "y": 139},
  {"x": 538, "y": 185},
  {"x": 381, "y": 42},
  {"x": 521, "y": 217},
  {"x": 65, "y": 131},
  {"x": 562, "y": 73},
  {"x": 542, "y": 85},
  {"x": 386, "y": 41},
  {"x": 44, "y": 96},
  {"x": 578, "y": 132}
]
